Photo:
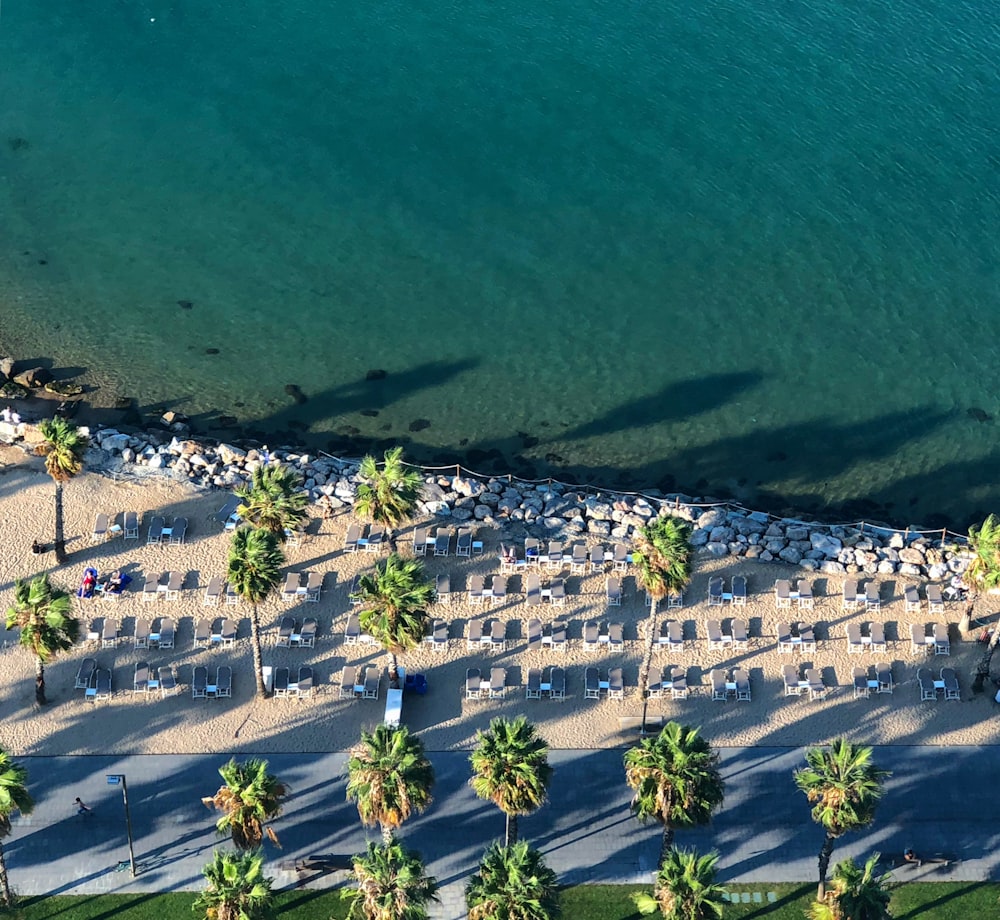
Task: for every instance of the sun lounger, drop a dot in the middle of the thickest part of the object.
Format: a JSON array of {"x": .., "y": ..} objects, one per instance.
[
  {"x": 790, "y": 677},
  {"x": 850, "y": 594},
  {"x": 352, "y": 632},
  {"x": 872, "y": 599},
  {"x": 439, "y": 635},
  {"x": 591, "y": 684},
  {"x": 534, "y": 634},
  {"x": 659, "y": 688},
  {"x": 533, "y": 689},
  {"x": 934, "y": 599},
  {"x": 742, "y": 680},
  {"x": 228, "y": 632},
  {"x": 498, "y": 683},
  {"x": 375, "y": 537},
  {"x": 168, "y": 681},
  {"x": 354, "y": 594},
  {"x": 878, "y": 638},
  {"x": 854, "y": 644},
  {"x": 555, "y": 557},
  {"x": 678, "y": 684},
  {"x": 476, "y": 588},
  {"x": 942, "y": 644},
  {"x": 807, "y": 638},
  {"x": 443, "y": 592},
  {"x": 351, "y": 538},
  {"x": 420, "y": 541},
  {"x": 100, "y": 533},
  {"x": 85, "y": 673},
  {"x": 141, "y": 638},
  {"x": 675, "y": 600},
  {"x": 178, "y": 531},
  {"x": 860, "y": 680},
  {"x": 739, "y": 591},
  {"x": 223, "y": 681},
  {"x": 130, "y": 530},
  {"x": 918, "y": 639},
  {"x": 290, "y": 591},
  {"x": 227, "y": 512},
  {"x": 557, "y": 684},
  {"x": 613, "y": 590},
  {"x": 715, "y": 639},
  {"x": 199, "y": 682},
  {"x": 281, "y": 682},
  {"x": 674, "y": 638},
  {"x": 591, "y": 636},
  {"x": 167, "y": 628},
  {"x": 557, "y": 592},
  {"x": 102, "y": 684},
  {"x": 314, "y": 587},
  {"x": 463, "y": 542},
  {"x": 442, "y": 542},
  {"x": 498, "y": 635},
  {"x": 911, "y": 597},
  {"x": 304, "y": 684},
  {"x": 740, "y": 639},
  {"x": 474, "y": 634},
  {"x": 155, "y": 532},
  {"x": 151, "y": 589},
  {"x": 532, "y": 553},
  {"x": 203, "y": 633},
  {"x": 817, "y": 689},
  {"x": 616, "y": 684},
  {"x": 109, "y": 635},
  {"x": 213, "y": 592},
  {"x": 782, "y": 594},
  {"x": 578, "y": 559},
  {"x": 307, "y": 636},
  {"x": 348, "y": 677},
  {"x": 715, "y": 586},
  {"x": 499, "y": 592},
  {"x": 285, "y": 630},
  {"x": 926, "y": 684},
  {"x": 597, "y": 559},
  {"x": 232, "y": 597},
  {"x": 806, "y": 601},
  {"x": 785, "y": 643},
  {"x": 559, "y": 636},
  {"x": 620, "y": 560},
  {"x": 473, "y": 683},
  {"x": 719, "y": 691},
  {"x": 174, "y": 582},
  {"x": 950, "y": 679},
  {"x": 616, "y": 636},
  {"x": 883, "y": 674}
]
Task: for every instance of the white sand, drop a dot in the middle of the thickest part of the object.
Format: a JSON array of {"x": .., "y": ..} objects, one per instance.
[{"x": 444, "y": 718}]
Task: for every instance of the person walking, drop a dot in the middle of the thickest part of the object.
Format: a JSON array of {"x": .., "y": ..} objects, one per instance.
[{"x": 82, "y": 809}]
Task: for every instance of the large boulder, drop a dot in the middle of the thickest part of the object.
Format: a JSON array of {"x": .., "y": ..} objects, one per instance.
[
  {"x": 33, "y": 378},
  {"x": 828, "y": 546},
  {"x": 790, "y": 555}
]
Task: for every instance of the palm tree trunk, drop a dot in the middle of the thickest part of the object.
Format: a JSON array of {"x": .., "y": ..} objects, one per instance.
[
  {"x": 40, "y": 682},
  {"x": 510, "y": 835},
  {"x": 8, "y": 899},
  {"x": 258, "y": 655},
  {"x": 667, "y": 843},
  {"x": 393, "y": 671},
  {"x": 983, "y": 668},
  {"x": 60, "y": 541},
  {"x": 826, "y": 851},
  {"x": 647, "y": 661},
  {"x": 386, "y": 834}
]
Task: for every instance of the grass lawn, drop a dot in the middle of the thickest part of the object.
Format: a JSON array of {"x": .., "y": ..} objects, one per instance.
[{"x": 926, "y": 901}]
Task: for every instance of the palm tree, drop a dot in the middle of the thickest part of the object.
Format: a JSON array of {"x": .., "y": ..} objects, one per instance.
[
  {"x": 249, "y": 799},
  {"x": 513, "y": 883},
  {"x": 675, "y": 775},
  {"x": 982, "y": 574},
  {"x": 253, "y": 571},
  {"x": 273, "y": 500},
  {"x": 389, "y": 776},
  {"x": 662, "y": 555},
  {"x": 43, "y": 615},
  {"x": 387, "y": 496},
  {"x": 844, "y": 786},
  {"x": 63, "y": 450},
  {"x": 394, "y": 600},
  {"x": 856, "y": 894},
  {"x": 13, "y": 797},
  {"x": 685, "y": 889},
  {"x": 237, "y": 888},
  {"x": 510, "y": 767},
  {"x": 392, "y": 884}
]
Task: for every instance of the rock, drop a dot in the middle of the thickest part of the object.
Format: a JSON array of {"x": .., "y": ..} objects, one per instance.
[
  {"x": 6, "y": 367},
  {"x": 720, "y": 535},
  {"x": 11, "y": 390},
  {"x": 710, "y": 519},
  {"x": 911, "y": 555},
  {"x": 231, "y": 455},
  {"x": 293, "y": 390},
  {"x": 699, "y": 537},
  {"x": 553, "y": 523},
  {"x": 766, "y": 557},
  {"x": 754, "y": 551},
  {"x": 599, "y": 511},
  {"x": 481, "y": 512},
  {"x": 114, "y": 443},
  {"x": 790, "y": 555},
  {"x": 157, "y": 461},
  {"x": 33, "y": 378},
  {"x": 913, "y": 571},
  {"x": 63, "y": 388},
  {"x": 716, "y": 549},
  {"x": 737, "y": 549},
  {"x": 599, "y": 528},
  {"x": 376, "y": 374},
  {"x": 747, "y": 525},
  {"x": 128, "y": 455},
  {"x": 832, "y": 568},
  {"x": 885, "y": 567},
  {"x": 828, "y": 546},
  {"x": 461, "y": 514},
  {"x": 896, "y": 541},
  {"x": 797, "y": 533},
  {"x": 937, "y": 572},
  {"x": 809, "y": 565}
]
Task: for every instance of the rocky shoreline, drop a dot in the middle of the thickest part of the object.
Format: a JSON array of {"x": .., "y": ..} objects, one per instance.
[{"x": 547, "y": 509}]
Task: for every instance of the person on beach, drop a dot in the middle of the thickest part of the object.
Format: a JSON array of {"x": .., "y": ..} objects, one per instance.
[
  {"x": 82, "y": 809},
  {"x": 36, "y": 548},
  {"x": 911, "y": 857}
]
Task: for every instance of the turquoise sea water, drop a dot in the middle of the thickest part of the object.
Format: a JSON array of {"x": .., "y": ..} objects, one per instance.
[{"x": 739, "y": 248}]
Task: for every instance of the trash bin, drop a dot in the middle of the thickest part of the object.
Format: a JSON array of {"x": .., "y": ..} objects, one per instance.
[{"x": 267, "y": 672}]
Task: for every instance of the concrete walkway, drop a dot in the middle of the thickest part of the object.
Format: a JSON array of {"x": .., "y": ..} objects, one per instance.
[{"x": 938, "y": 800}]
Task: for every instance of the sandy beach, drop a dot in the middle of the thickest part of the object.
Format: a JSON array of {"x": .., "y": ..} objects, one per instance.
[{"x": 444, "y": 718}]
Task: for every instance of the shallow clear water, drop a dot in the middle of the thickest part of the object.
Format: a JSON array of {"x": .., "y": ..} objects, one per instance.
[{"x": 740, "y": 250}]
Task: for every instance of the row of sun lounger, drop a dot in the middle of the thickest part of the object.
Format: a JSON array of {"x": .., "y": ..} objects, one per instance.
[
  {"x": 308, "y": 590},
  {"x": 717, "y": 594},
  {"x": 301, "y": 688},
  {"x": 438, "y": 542},
  {"x": 360, "y": 683},
  {"x": 946, "y": 683},
  {"x": 476, "y": 685},
  {"x": 105, "y": 530},
  {"x": 369, "y": 539},
  {"x": 202, "y": 689},
  {"x": 290, "y": 633}
]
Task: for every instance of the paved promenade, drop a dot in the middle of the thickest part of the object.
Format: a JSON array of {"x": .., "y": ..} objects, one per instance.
[{"x": 938, "y": 800}]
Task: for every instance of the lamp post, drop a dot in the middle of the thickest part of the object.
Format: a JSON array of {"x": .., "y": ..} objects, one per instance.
[{"x": 118, "y": 779}]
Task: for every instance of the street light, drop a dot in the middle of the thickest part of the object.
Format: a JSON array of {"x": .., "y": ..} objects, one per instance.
[{"x": 115, "y": 779}]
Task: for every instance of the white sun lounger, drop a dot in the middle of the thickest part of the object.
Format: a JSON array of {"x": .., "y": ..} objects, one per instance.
[
  {"x": 178, "y": 531},
  {"x": 498, "y": 635},
  {"x": 293, "y": 581},
  {"x": 878, "y": 638},
  {"x": 715, "y": 638},
  {"x": 591, "y": 684},
  {"x": 678, "y": 684},
  {"x": 613, "y": 589},
  {"x": 785, "y": 643},
  {"x": 596, "y": 559},
  {"x": 850, "y": 594},
  {"x": 348, "y": 679},
  {"x": 918, "y": 639},
  {"x": 285, "y": 630},
  {"x": 228, "y": 632},
  {"x": 806, "y": 600},
  {"x": 141, "y": 638},
  {"x": 557, "y": 684},
  {"x": 591, "y": 636},
  {"x": 100, "y": 533},
  {"x": 559, "y": 636},
  {"x": 130, "y": 530},
  {"x": 439, "y": 636},
  {"x": 740, "y": 639},
  {"x": 790, "y": 677},
  {"x": 859, "y": 677},
  {"x": 533, "y": 689},
  {"x": 578, "y": 559},
  {"x": 213, "y": 592},
  {"x": 314, "y": 587},
  {"x": 474, "y": 634},
  {"x": 352, "y": 632},
  {"x": 102, "y": 684},
  {"x": 109, "y": 635},
  {"x": 934, "y": 599},
  {"x": 168, "y": 681},
  {"x": 167, "y": 628},
  {"x": 883, "y": 674},
  {"x": 85, "y": 673},
  {"x": 203, "y": 633},
  {"x": 557, "y": 592},
  {"x": 351, "y": 538},
  {"x": 555, "y": 556},
  {"x": 782, "y": 594},
  {"x": 742, "y": 680},
  {"x": 420, "y": 541},
  {"x": 616, "y": 684},
  {"x": 817, "y": 689},
  {"x": 199, "y": 682},
  {"x": 304, "y": 683},
  {"x": 942, "y": 644},
  {"x": 155, "y": 532},
  {"x": 534, "y": 634},
  {"x": 854, "y": 644},
  {"x": 719, "y": 691},
  {"x": 463, "y": 542},
  {"x": 281, "y": 681},
  {"x": 223, "y": 681},
  {"x": 175, "y": 581},
  {"x": 140, "y": 678},
  {"x": 872, "y": 599},
  {"x": 476, "y": 587},
  {"x": 473, "y": 683},
  {"x": 911, "y": 597},
  {"x": 499, "y": 590},
  {"x": 926, "y": 684},
  {"x": 715, "y": 586},
  {"x": 443, "y": 593},
  {"x": 620, "y": 558},
  {"x": 373, "y": 678},
  {"x": 307, "y": 637},
  {"x": 739, "y": 591},
  {"x": 375, "y": 538},
  {"x": 950, "y": 680}
]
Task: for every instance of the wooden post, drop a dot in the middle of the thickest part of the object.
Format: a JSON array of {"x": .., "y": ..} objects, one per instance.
[{"x": 862, "y": 528}]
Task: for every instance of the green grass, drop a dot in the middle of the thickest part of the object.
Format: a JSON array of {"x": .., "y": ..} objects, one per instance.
[{"x": 914, "y": 901}]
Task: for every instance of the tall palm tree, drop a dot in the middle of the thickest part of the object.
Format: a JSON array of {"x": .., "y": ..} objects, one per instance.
[
  {"x": 676, "y": 781},
  {"x": 513, "y": 883},
  {"x": 253, "y": 570},
  {"x": 844, "y": 786},
  {"x": 510, "y": 767},
  {"x": 983, "y": 574},
  {"x": 273, "y": 500},
  {"x": 389, "y": 777},
  {"x": 387, "y": 496},
  {"x": 392, "y": 884},
  {"x": 685, "y": 889},
  {"x": 237, "y": 888},
  {"x": 394, "y": 600},
  {"x": 662, "y": 555},
  {"x": 63, "y": 450},
  {"x": 249, "y": 799},
  {"x": 855, "y": 893},
  {"x": 43, "y": 615},
  {"x": 13, "y": 797}
]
